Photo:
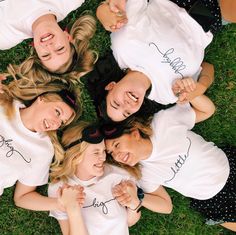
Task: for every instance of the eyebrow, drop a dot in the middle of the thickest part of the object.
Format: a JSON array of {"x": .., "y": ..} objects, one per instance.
[{"x": 49, "y": 56}]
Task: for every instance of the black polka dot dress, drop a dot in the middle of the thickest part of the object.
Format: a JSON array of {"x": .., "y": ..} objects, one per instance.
[
  {"x": 222, "y": 207},
  {"x": 211, "y": 5}
]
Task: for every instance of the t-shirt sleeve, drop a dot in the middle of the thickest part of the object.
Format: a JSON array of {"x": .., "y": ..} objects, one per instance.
[
  {"x": 180, "y": 114},
  {"x": 52, "y": 192}
]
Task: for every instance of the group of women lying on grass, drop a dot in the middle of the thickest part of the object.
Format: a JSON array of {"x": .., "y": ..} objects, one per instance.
[{"x": 156, "y": 60}]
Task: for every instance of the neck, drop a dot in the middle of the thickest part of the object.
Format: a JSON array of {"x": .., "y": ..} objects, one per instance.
[
  {"x": 45, "y": 19},
  {"x": 83, "y": 175}
]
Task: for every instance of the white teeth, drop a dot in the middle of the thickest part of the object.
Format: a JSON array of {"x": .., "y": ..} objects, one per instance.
[
  {"x": 99, "y": 165},
  {"x": 132, "y": 97},
  {"x": 50, "y": 36}
]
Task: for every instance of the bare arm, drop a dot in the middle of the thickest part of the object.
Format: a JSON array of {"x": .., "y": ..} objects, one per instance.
[
  {"x": 75, "y": 224},
  {"x": 157, "y": 201},
  {"x": 203, "y": 107},
  {"x": 26, "y": 197}
]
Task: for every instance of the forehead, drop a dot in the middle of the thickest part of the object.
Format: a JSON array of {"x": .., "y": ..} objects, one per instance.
[{"x": 94, "y": 147}]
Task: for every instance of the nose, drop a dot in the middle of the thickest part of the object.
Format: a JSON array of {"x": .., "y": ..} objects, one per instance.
[{"x": 102, "y": 157}]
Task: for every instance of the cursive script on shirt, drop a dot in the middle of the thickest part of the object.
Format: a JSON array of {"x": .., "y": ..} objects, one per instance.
[
  {"x": 102, "y": 205},
  {"x": 11, "y": 151},
  {"x": 179, "y": 162},
  {"x": 175, "y": 63}
]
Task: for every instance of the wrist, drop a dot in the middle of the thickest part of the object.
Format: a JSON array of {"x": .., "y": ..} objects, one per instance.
[{"x": 138, "y": 205}]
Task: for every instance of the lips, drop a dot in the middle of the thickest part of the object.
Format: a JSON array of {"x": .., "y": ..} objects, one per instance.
[
  {"x": 99, "y": 165},
  {"x": 46, "y": 37},
  {"x": 132, "y": 96}
]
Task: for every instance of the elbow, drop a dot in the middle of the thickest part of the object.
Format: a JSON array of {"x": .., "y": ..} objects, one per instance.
[
  {"x": 17, "y": 201},
  {"x": 169, "y": 208},
  {"x": 211, "y": 110}
]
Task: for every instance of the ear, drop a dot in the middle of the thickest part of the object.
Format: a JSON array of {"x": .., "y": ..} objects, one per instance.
[
  {"x": 135, "y": 133},
  {"x": 68, "y": 36},
  {"x": 110, "y": 86}
]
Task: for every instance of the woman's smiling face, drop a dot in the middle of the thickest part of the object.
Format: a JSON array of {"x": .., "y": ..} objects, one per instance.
[
  {"x": 125, "y": 97},
  {"x": 125, "y": 149}
]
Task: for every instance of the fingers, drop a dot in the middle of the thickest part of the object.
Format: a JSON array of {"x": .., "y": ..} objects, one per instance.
[
  {"x": 117, "y": 5},
  {"x": 121, "y": 196},
  {"x": 189, "y": 84}
]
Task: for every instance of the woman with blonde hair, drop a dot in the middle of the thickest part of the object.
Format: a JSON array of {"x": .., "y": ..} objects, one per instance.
[
  {"x": 28, "y": 139},
  {"x": 55, "y": 50},
  {"x": 84, "y": 169}
]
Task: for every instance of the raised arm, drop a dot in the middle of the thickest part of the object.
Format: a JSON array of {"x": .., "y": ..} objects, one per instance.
[{"x": 75, "y": 224}]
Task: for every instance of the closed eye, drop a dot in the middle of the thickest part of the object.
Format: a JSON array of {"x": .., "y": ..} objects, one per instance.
[{"x": 60, "y": 49}]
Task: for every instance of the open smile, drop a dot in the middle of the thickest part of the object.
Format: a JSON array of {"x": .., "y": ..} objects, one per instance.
[
  {"x": 132, "y": 96},
  {"x": 46, "y": 37}
]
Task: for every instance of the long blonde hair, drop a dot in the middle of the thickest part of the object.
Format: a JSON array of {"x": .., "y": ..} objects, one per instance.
[
  {"x": 82, "y": 31},
  {"x": 72, "y": 156},
  {"x": 13, "y": 92}
]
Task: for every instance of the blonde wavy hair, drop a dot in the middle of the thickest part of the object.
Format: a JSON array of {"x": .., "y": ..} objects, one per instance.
[
  {"x": 34, "y": 72},
  {"x": 145, "y": 131},
  {"x": 27, "y": 95},
  {"x": 72, "y": 156}
]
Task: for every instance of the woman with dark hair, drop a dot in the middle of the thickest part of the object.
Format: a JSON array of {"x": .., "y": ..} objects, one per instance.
[
  {"x": 105, "y": 72},
  {"x": 160, "y": 43},
  {"x": 174, "y": 156}
]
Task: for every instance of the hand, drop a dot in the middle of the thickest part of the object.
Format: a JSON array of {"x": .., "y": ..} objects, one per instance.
[
  {"x": 111, "y": 21},
  {"x": 1, "y": 79},
  {"x": 126, "y": 194},
  {"x": 184, "y": 89},
  {"x": 117, "y": 5},
  {"x": 71, "y": 196}
]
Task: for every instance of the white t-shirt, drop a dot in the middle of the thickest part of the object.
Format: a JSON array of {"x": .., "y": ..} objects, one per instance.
[
  {"x": 17, "y": 17},
  {"x": 101, "y": 212},
  {"x": 162, "y": 41},
  {"x": 25, "y": 155},
  {"x": 181, "y": 159}
]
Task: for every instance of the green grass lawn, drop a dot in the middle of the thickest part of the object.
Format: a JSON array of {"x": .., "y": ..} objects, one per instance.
[{"x": 221, "y": 129}]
